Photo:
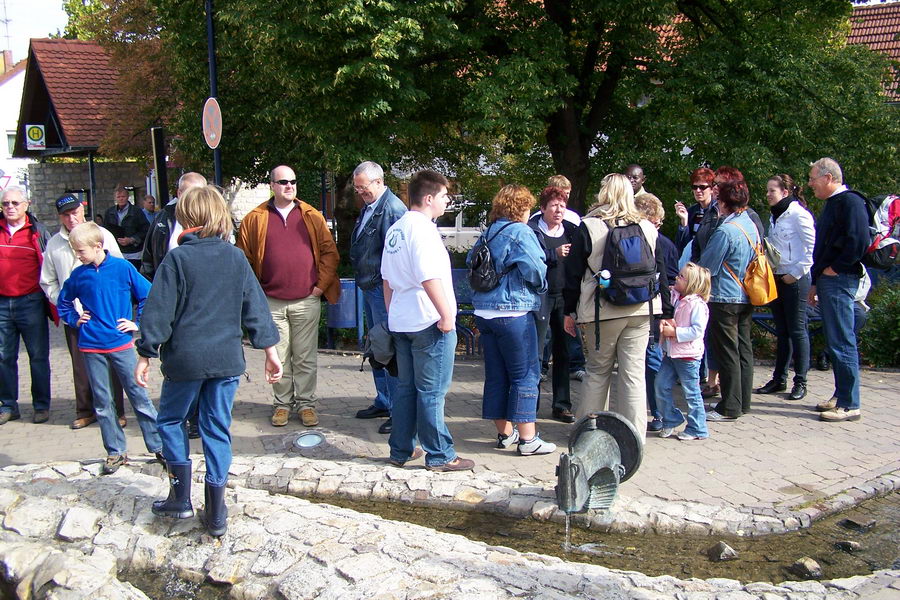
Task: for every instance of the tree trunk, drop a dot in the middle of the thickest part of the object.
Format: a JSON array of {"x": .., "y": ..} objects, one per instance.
[
  {"x": 345, "y": 213},
  {"x": 570, "y": 151}
]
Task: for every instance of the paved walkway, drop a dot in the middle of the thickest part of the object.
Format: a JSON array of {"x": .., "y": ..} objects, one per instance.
[{"x": 779, "y": 456}]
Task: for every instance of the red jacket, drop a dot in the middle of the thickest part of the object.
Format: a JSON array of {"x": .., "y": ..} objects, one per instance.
[{"x": 21, "y": 257}]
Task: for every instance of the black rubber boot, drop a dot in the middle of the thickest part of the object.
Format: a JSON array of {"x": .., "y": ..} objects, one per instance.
[
  {"x": 215, "y": 513},
  {"x": 178, "y": 504}
]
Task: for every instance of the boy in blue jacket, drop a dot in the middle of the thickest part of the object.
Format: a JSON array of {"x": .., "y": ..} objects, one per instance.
[{"x": 97, "y": 299}]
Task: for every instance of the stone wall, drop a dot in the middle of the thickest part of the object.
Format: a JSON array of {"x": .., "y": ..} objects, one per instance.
[{"x": 48, "y": 181}]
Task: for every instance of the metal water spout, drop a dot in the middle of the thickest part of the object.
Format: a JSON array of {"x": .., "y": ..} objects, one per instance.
[{"x": 604, "y": 450}]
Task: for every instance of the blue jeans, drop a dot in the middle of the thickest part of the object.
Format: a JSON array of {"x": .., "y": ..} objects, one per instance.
[
  {"x": 385, "y": 384},
  {"x": 651, "y": 369},
  {"x": 24, "y": 316},
  {"x": 789, "y": 315},
  {"x": 212, "y": 400},
  {"x": 424, "y": 371},
  {"x": 688, "y": 372},
  {"x": 123, "y": 362},
  {"x": 836, "y": 303},
  {"x": 511, "y": 368}
]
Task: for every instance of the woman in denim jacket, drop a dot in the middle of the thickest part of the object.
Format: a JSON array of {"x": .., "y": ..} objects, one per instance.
[
  {"x": 508, "y": 332},
  {"x": 793, "y": 233},
  {"x": 730, "y": 313}
]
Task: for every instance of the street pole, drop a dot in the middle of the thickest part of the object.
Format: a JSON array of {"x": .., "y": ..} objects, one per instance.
[{"x": 213, "y": 83}]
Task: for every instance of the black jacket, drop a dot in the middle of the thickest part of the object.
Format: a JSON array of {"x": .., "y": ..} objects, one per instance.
[
  {"x": 366, "y": 245},
  {"x": 134, "y": 225},
  {"x": 156, "y": 244},
  {"x": 842, "y": 235}
]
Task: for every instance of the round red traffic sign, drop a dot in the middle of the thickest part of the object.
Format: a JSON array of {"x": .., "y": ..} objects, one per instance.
[{"x": 212, "y": 123}]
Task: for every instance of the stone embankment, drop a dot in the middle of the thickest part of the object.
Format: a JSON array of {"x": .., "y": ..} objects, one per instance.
[{"x": 67, "y": 532}]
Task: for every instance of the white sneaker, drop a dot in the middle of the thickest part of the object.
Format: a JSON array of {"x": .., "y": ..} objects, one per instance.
[
  {"x": 686, "y": 437},
  {"x": 536, "y": 446},
  {"x": 666, "y": 432},
  {"x": 505, "y": 441}
]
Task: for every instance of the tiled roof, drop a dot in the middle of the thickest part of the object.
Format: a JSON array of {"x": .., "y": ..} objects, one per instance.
[
  {"x": 82, "y": 86},
  {"x": 878, "y": 27}
]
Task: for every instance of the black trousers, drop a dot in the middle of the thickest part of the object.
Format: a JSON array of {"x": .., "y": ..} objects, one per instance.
[
  {"x": 729, "y": 336},
  {"x": 560, "y": 351}
]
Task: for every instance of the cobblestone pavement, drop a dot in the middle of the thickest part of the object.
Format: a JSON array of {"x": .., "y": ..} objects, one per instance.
[{"x": 779, "y": 456}]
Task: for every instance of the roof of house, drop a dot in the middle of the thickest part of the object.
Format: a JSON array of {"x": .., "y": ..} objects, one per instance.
[
  {"x": 878, "y": 27},
  {"x": 70, "y": 87},
  {"x": 17, "y": 68}
]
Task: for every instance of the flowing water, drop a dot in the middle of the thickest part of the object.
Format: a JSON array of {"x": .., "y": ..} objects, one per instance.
[{"x": 766, "y": 558}]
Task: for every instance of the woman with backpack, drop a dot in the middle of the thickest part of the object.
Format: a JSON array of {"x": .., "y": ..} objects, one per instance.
[
  {"x": 503, "y": 315},
  {"x": 617, "y": 319},
  {"x": 792, "y": 233},
  {"x": 726, "y": 255}
]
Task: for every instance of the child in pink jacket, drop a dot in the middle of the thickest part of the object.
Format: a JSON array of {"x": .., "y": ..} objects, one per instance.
[{"x": 682, "y": 345}]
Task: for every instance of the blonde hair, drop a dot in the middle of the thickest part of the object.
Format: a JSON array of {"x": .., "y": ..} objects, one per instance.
[
  {"x": 651, "y": 207},
  {"x": 559, "y": 181},
  {"x": 85, "y": 234},
  {"x": 511, "y": 202},
  {"x": 696, "y": 280},
  {"x": 204, "y": 207},
  {"x": 615, "y": 200}
]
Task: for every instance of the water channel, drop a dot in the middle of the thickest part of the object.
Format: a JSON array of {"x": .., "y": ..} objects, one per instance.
[{"x": 766, "y": 558}]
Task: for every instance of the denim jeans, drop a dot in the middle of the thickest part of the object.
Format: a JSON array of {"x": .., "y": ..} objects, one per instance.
[
  {"x": 424, "y": 370},
  {"x": 212, "y": 400},
  {"x": 511, "y": 368},
  {"x": 24, "y": 316},
  {"x": 729, "y": 333},
  {"x": 651, "y": 370},
  {"x": 123, "y": 362},
  {"x": 560, "y": 351},
  {"x": 789, "y": 315},
  {"x": 836, "y": 303},
  {"x": 385, "y": 384},
  {"x": 688, "y": 372}
]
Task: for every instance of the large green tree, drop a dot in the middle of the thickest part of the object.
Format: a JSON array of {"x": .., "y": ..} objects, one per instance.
[{"x": 521, "y": 89}]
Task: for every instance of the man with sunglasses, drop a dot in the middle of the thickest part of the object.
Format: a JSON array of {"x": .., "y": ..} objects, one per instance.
[
  {"x": 23, "y": 306},
  {"x": 381, "y": 209},
  {"x": 295, "y": 259}
]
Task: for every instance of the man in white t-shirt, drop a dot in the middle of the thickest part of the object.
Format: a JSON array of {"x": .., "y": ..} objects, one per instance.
[{"x": 418, "y": 292}]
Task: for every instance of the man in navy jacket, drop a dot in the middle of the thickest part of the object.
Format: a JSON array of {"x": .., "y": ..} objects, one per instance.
[
  {"x": 842, "y": 237},
  {"x": 381, "y": 209}
]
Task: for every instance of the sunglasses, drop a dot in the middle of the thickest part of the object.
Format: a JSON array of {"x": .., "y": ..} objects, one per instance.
[
  {"x": 700, "y": 187},
  {"x": 286, "y": 181},
  {"x": 11, "y": 203}
]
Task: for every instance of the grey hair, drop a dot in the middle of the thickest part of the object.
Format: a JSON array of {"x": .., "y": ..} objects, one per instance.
[
  {"x": 189, "y": 180},
  {"x": 372, "y": 170},
  {"x": 14, "y": 188},
  {"x": 829, "y": 166}
]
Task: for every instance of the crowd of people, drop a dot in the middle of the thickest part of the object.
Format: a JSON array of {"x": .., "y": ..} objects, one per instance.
[{"x": 606, "y": 292}]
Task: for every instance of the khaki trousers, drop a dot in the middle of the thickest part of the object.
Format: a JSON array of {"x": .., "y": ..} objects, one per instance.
[
  {"x": 298, "y": 331},
  {"x": 625, "y": 340}
]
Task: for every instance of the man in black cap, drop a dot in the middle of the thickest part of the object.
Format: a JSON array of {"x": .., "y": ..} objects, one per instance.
[{"x": 59, "y": 261}]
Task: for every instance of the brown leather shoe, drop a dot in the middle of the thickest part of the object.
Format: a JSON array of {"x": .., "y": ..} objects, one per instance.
[
  {"x": 123, "y": 421},
  {"x": 416, "y": 455},
  {"x": 308, "y": 417},
  {"x": 82, "y": 423},
  {"x": 280, "y": 417}
]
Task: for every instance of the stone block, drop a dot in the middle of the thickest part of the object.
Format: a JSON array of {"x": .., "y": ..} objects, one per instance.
[
  {"x": 150, "y": 552},
  {"x": 33, "y": 517},
  {"x": 362, "y": 567},
  {"x": 277, "y": 556},
  {"x": 78, "y": 523}
]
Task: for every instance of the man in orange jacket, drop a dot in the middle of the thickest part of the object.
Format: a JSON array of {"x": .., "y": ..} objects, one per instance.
[{"x": 295, "y": 259}]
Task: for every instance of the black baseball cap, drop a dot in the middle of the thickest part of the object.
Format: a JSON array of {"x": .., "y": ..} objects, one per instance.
[{"x": 67, "y": 202}]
